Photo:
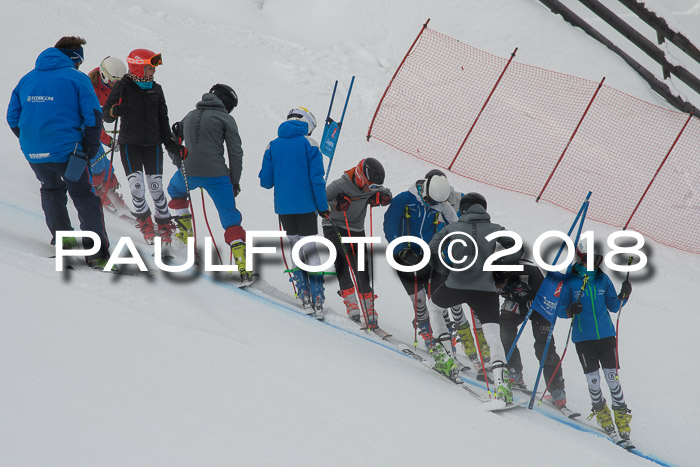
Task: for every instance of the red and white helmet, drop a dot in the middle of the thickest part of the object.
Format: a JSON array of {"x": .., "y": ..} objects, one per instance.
[
  {"x": 139, "y": 58},
  {"x": 111, "y": 70}
]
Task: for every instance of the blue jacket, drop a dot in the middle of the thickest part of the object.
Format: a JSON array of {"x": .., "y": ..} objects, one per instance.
[
  {"x": 52, "y": 105},
  {"x": 293, "y": 165},
  {"x": 408, "y": 214},
  {"x": 599, "y": 298}
]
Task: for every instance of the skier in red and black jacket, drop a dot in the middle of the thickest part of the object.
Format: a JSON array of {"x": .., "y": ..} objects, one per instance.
[{"x": 140, "y": 104}]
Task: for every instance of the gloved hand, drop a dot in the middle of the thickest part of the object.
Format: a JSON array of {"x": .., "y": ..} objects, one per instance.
[
  {"x": 117, "y": 110},
  {"x": 574, "y": 309},
  {"x": 510, "y": 306},
  {"x": 325, "y": 214},
  {"x": 518, "y": 292},
  {"x": 175, "y": 157},
  {"x": 409, "y": 257},
  {"x": 178, "y": 130},
  {"x": 625, "y": 290},
  {"x": 342, "y": 202},
  {"x": 236, "y": 189}
]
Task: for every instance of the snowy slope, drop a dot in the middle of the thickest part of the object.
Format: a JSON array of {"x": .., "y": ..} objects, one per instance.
[{"x": 103, "y": 370}]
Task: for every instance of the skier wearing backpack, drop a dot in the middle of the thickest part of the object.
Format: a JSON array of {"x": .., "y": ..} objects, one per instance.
[
  {"x": 519, "y": 288},
  {"x": 459, "y": 322},
  {"x": 422, "y": 211},
  {"x": 205, "y": 130},
  {"x": 293, "y": 165},
  {"x": 349, "y": 196},
  {"x": 104, "y": 180},
  {"x": 588, "y": 297},
  {"x": 140, "y": 104},
  {"x": 473, "y": 285}
]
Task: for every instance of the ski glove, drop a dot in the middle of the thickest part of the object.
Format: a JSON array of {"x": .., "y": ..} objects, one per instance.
[
  {"x": 625, "y": 291},
  {"x": 236, "y": 189},
  {"x": 326, "y": 214},
  {"x": 342, "y": 202},
  {"x": 177, "y": 152},
  {"x": 117, "y": 110},
  {"x": 380, "y": 199},
  {"x": 518, "y": 292},
  {"x": 409, "y": 257},
  {"x": 574, "y": 309}
]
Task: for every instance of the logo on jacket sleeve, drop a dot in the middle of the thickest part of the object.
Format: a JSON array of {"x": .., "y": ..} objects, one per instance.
[{"x": 557, "y": 291}]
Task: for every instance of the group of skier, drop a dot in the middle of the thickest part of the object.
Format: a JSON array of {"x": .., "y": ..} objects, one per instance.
[{"x": 58, "y": 113}]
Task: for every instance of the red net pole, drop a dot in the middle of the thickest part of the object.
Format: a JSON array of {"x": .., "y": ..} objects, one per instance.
[
  {"x": 659, "y": 169},
  {"x": 568, "y": 143},
  {"x": 482, "y": 108},
  {"x": 369, "y": 131}
]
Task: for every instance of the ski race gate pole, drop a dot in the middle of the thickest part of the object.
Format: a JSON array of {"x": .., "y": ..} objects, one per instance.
[{"x": 331, "y": 130}]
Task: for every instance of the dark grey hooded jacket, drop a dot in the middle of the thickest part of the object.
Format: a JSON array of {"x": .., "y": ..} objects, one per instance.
[
  {"x": 477, "y": 223},
  {"x": 206, "y": 129}
]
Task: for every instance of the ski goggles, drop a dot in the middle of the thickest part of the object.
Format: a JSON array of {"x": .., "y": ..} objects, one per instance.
[
  {"x": 374, "y": 186},
  {"x": 154, "y": 61}
]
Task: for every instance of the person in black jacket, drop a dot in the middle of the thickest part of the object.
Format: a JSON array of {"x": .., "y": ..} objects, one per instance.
[
  {"x": 518, "y": 290},
  {"x": 140, "y": 103}
]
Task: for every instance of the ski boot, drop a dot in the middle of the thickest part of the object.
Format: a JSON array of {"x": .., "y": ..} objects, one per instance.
[
  {"x": 184, "y": 227},
  {"x": 350, "y": 302},
  {"x": 426, "y": 333},
  {"x": 623, "y": 415},
  {"x": 602, "y": 414},
  {"x": 444, "y": 362},
  {"x": 69, "y": 243},
  {"x": 165, "y": 231},
  {"x": 559, "y": 397},
  {"x": 300, "y": 280},
  {"x": 238, "y": 251},
  {"x": 368, "y": 305},
  {"x": 483, "y": 345},
  {"x": 317, "y": 297},
  {"x": 465, "y": 337},
  {"x": 147, "y": 229},
  {"x": 500, "y": 382},
  {"x": 515, "y": 380}
]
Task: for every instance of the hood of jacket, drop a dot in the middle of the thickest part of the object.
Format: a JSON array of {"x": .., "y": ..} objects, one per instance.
[
  {"x": 52, "y": 59},
  {"x": 210, "y": 101},
  {"x": 292, "y": 129}
]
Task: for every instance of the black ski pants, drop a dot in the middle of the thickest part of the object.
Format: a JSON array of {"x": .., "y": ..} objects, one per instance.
[
  {"x": 540, "y": 330},
  {"x": 341, "y": 265},
  {"x": 54, "y": 202}
]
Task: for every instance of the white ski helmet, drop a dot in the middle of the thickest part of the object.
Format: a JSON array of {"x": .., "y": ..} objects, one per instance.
[
  {"x": 111, "y": 70},
  {"x": 304, "y": 115},
  {"x": 582, "y": 254},
  {"x": 436, "y": 189}
]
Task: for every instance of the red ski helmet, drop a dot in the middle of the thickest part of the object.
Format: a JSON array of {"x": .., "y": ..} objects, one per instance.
[{"x": 139, "y": 58}]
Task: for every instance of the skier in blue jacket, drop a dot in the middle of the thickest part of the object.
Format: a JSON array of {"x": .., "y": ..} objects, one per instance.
[
  {"x": 421, "y": 211},
  {"x": 54, "y": 111},
  {"x": 293, "y": 165},
  {"x": 588, "y": 297}
]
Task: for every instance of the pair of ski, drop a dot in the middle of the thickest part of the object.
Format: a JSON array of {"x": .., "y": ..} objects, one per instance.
[
  {"x": 614, "y": 436},
  {"x": 462, "y": 381}
]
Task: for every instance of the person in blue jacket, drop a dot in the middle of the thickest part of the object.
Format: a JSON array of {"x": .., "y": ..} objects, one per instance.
[
  {"x": 421, "y": 211},
  {"x": 293, "y": 166},
  {"x": 54, "y": 111},
  {"x": 588, "y": 297}
]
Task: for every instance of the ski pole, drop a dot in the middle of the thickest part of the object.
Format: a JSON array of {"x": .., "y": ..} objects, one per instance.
[
  {"x": 481, "y": 357},
  {"x": 206, "y": 220},
  {"x": 551, "y": 378},
  {"x": 617, "y": 326},
  {"x": 284, "y": 258},
  {"x": 111, "y": 159},
  {"x": 352, "y": 272},
  {"x": 415, "y": 309},
  {"x": 371, "y": 256}
]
